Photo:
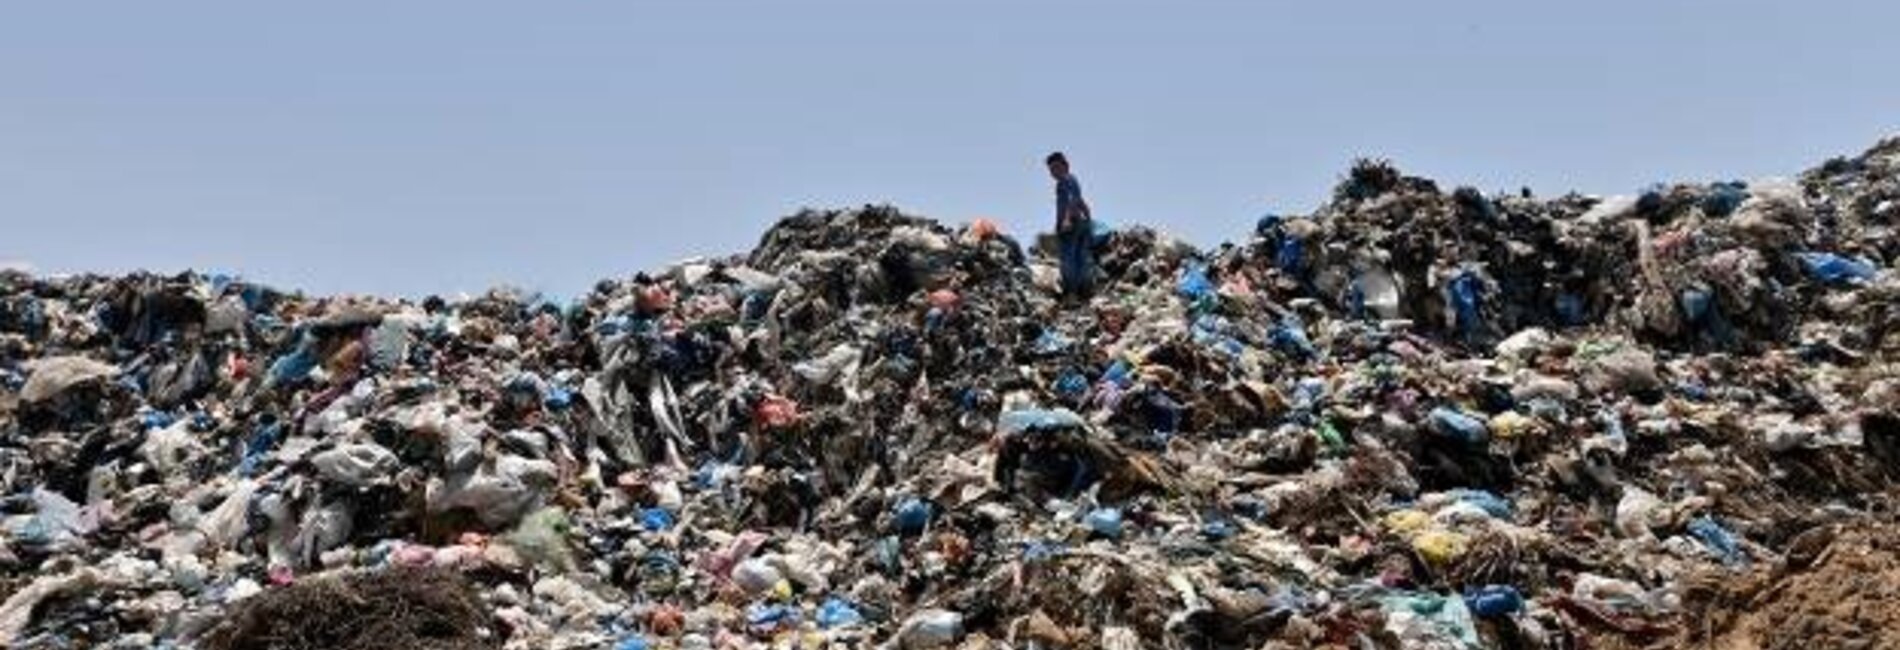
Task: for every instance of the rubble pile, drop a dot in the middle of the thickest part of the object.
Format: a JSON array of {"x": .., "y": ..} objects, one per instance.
[{"x": 1409, "y": 419}]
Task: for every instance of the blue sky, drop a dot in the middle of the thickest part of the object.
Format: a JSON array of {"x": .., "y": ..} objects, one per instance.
[{"x": 421, "y": 147}]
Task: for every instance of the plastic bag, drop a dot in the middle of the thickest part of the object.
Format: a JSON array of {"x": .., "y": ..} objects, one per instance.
[
  {"x": 837, "y": 613},
  {"x": 1830, "y": 268},
  {"x": 1456, "y": 424},
  {"x": 930, "y": 628}
]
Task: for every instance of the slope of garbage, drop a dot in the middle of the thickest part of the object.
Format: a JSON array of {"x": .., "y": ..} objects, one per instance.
[{"x": 1413, "y": 418}]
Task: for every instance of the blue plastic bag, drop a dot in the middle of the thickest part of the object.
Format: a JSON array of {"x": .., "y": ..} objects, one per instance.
[
  {"x": 1696, "y": 305},
  {"x": 912, "y": 516},
  {"x": 613, "y": 326},
  {"x": 557, "y": 398},
  {"x": 1194, "y": 284},
  {"x": 261, "y": 442},
  {"x": 1050, "y": 342},
  {"x": 1268, "y": 225},
  {"x": 1724, "y": 197},
  {"x": 1218, "y": 529},
  {"x": 1308, "y": 393},
  {"x": 1041, "y": 551},
  {"x": 838, "y": 613},
  {"x": 765, "y": 618},
  {"x": 1455, "y": 424},
  {"x": 1071, "y": 385},
  {"x": 156, "y": 420},
  {"x": 1163, "y": 411},
  {"x": 1718, "y": 539},
  {"x": 1290, "y": 256},
  {"x": 296, "y": 365},
  {"x": 1704, "y": 312},
  {"x": 1289, "y": 336},
  {"x": 1106, "y": 522},
  {"x": 1467, "y": 295},
  {"x": 1212, "y": 331},
  {"x": 1491, "y": 504},
  {"x": 656, "y": 519},
  {"x": 1494, "y": 601},
  {"x": 1651, "y": 200},
  {"x": 256, "y": 297},
  {"x": 1830, "y": 268}
]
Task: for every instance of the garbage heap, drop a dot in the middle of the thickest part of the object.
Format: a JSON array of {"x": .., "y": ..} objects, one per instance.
[{"x": 1409, "y": 419}]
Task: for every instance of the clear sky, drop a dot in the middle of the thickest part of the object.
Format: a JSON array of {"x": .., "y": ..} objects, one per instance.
[{"x": 415, "y": 147}]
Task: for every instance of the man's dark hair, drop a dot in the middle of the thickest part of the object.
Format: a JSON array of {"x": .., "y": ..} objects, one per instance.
[{"x": 1056, "y": 157}]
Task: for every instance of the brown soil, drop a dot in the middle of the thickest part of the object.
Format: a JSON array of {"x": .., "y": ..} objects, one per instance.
[
  {"x": 1839, "y": 588},
  {"x": 399, "y": 609}
]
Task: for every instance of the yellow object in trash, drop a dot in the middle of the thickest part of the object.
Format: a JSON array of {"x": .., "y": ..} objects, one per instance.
[
  {"x": 1407, "y": 522},
  {"x": 1511, "y": 424},
  {"x": 1439, "y": 547}
]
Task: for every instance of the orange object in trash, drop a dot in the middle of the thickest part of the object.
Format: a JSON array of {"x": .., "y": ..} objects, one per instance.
[{"x": 666, "y": 620}]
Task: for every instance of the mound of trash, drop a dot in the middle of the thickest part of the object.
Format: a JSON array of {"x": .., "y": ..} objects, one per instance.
[
  {"x": 401, "y": 609},
  {"x": 1409, "y": 419}
]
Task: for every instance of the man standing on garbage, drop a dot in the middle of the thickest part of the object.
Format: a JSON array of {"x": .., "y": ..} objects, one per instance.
[{"x": 1074, "y": 233}]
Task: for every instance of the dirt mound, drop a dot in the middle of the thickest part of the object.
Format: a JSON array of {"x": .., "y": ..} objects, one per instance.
[
  {"x": 389, "y": 610},
  {"x": 1839, "y": 588}
]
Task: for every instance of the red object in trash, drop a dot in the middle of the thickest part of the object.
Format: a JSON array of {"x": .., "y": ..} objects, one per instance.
[
  {"x": 775, "y": 412},
  {"x": 654, "y": 300}
]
